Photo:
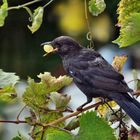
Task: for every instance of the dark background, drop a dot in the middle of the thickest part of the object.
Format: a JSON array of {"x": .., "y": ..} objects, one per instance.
[{"x": 20, "y": 50}]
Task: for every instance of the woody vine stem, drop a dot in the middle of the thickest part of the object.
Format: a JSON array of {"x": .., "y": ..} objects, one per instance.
[{"x": 58, "y": 120}]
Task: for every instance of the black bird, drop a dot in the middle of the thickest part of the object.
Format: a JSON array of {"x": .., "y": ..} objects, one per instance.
[{"x": 94, "y": 76}]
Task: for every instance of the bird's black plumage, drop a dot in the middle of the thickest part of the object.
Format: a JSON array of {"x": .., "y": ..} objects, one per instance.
[{"x": 94, "y": 76}]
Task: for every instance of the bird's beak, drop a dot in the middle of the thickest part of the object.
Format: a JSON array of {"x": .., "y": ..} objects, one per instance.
[{"x": 48, "y": 48}]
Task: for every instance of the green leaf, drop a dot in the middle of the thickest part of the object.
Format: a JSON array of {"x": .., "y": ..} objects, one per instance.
[
  {"x": 96, "y": 7},
  {"x": 7, "y": 78},
  {"x": 35, "y": 95},
  {"x": 37, "y": 19},
  {"x": 46, "y": 117},
  {"x": 126, "y": 8},
  {"x": 3, "y": 12},
  {"x": 53, "y": 83},
  {"x": 94, "y": 128},
  {"x": 59, "y": 135},
  {"x": 7, "y": 89},
  {"x": 8, "y": 94},
  {"x": 19, "y": 137},
  {"x": 60, "y": 100},
  {"x": 130, "y": 31}
]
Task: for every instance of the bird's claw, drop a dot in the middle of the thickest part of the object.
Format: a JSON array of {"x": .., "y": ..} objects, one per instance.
[{"x": 80, "y": 108}]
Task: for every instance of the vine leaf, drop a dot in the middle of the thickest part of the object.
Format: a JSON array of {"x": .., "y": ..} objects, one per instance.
[
  {"x": 118, "y": 62},
  {"x": 3, "y": 12},
  {"x": 59, "y": 135},
  {"x": 96, "y": 7},
  {"x": 126, "y": 8},
  {"x": 91, "y": 126},
  {"x": 8, "y": 94},
  {"x": 7, "y": 78},
  {"x": 36, "y": 93},
  {"x": 7, "y": 83},
  {"x": 128, "y": 19},
  {"x": 37, "y": 19},
  {"x": 130, "y": 31}
]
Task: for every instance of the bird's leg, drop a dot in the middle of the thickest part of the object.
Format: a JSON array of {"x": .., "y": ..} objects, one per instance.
[
  {"x": 115, "y": 113},
  {"x": 80, "y": 108}
]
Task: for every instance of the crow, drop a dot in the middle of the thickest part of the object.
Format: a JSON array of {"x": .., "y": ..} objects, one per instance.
[{"x": 94, "y": 76}]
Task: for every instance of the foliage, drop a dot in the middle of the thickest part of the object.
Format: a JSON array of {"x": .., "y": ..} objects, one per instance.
[
  {"x": 36, "y": 19},
  {"x": 96, "y": 7},
  {"x": 92, "y": 126},
  {"x": 7, "y": 86},
  {"x": 3, "y": 12},
  {"x": 128, "y": 20}
]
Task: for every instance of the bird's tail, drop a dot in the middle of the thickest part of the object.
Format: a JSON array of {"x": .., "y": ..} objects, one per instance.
[{"x": 130, "y": 105}]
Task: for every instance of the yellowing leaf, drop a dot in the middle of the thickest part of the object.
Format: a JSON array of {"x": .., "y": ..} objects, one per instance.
[
  {"x": 36, "y": 93},
  {"x": 128, "y": 20},
  {"x": 36, "y": 19},
  {"x": 53, "y": 83},
  {"x": 130, "y": 31},
  {"x": 3, "y": 12},
  {"x": 96, "y": 7},
  {"x": 118, "y": 62},
  {"x": 126, "y": 8},
  {"x": 103, "y": 109},
  {"x": 8, "y": 94}
]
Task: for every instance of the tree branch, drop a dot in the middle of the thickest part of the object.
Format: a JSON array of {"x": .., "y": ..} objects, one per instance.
[
  {"x": 16, "y": 122},
  {"x": 72, "y": 114},
  {"x": 55, "y": 121}
]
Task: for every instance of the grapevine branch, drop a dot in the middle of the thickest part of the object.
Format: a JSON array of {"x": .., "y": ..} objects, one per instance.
[
  {"x": 58, "y": 120},
  {"x": 27, "y": 4}
]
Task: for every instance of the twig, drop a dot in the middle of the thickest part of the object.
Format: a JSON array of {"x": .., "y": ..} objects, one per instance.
[
  {"x": 132, "y": 81},
  {"x": 23, "y": 5},
  {"x": 72, "y": 114},
  {"x": 16, "y": 122},
  {"x": 48, "y": 3},
  {"x": 55, "y": 121},
  {"x": 20, "y": 112}
]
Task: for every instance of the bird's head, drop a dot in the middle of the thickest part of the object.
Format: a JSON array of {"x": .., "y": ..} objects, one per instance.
[{"x": 62, "y": 45}]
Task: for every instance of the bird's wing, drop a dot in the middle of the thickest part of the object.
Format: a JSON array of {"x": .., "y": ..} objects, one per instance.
[{"x": 97, "y": 72}]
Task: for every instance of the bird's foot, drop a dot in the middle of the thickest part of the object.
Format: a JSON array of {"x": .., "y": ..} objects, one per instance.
[{"x": 80, "y": 108}]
